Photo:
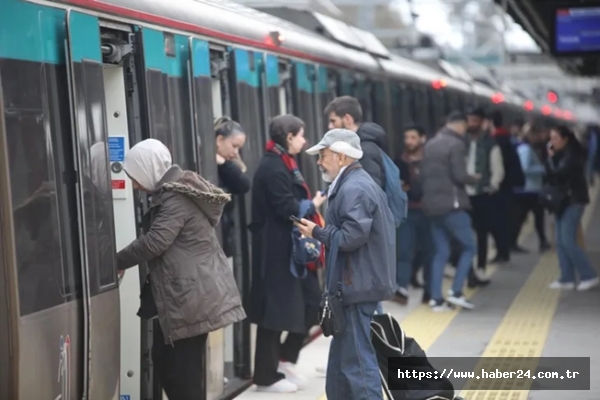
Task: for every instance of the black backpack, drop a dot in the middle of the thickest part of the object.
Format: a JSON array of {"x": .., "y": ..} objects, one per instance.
[{"x": 389, "y": 340}]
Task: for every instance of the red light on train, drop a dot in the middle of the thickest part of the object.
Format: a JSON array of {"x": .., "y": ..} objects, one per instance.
[
  {"x": 439, "y": 84},
  {"x": 552, "y": 97},
  {"x": 528, "y": 105},
  {"x": 546, "y": 110},
  {"x": 275, "y": 38},
  {"x": 497, "y": 98}
]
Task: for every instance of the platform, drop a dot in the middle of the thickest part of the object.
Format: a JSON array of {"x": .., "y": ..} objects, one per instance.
[{"x": 516, "y": 315}]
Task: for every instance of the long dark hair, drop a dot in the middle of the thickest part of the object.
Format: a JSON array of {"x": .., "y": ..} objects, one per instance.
[{"x": 572, "y": 142}]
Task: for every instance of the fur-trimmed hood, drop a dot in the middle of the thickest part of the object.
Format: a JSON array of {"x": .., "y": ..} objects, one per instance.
[{"x": 209, "y": 198}]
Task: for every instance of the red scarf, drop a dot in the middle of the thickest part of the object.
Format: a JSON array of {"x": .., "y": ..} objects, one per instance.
[{"x": 292, "y": 165}]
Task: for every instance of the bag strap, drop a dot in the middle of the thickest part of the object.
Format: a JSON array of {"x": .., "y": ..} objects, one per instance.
[{"x": 332, "y": 254}]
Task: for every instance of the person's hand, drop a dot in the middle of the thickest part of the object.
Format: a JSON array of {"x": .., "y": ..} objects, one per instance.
[
  {"x": 550, "y": 150},
  {"x": 306, "y": 227},
  {"x": 220, "y": 160},
  {"x": 319, "y": 199}
]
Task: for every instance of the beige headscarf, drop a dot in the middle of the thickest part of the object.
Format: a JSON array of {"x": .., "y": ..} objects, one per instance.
[{"x": 147, "y": 162}]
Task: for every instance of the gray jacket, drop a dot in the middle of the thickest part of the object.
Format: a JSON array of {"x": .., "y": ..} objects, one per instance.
[
  {"x": 358, "y": 207},
  {"x": 444, "y": 174},
  {"x": 193, "y": 287}
]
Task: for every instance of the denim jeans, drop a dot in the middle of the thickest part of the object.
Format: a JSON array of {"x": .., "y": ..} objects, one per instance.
[
  {"x": 413, "y": 236},
  {"x": 455, "y": 225},
  {"x": 571, "y": 257},
  {"x": 352, "y": 369}
]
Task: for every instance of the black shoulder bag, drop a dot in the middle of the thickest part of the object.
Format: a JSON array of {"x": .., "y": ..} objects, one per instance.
[{"x": 331, "y": 313}]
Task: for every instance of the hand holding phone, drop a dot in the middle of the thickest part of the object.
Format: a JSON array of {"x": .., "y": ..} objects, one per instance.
[{"x": 295, "y": 219}]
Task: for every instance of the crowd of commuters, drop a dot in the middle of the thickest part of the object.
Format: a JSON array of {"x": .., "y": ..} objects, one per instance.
[{"x": 471, "y": 179}]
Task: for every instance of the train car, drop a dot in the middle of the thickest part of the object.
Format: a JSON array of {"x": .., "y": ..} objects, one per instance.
[{"x": 83, "y": 80}]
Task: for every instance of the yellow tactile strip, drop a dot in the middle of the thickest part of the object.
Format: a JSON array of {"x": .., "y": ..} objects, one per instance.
[{"x": 523, "y": 330}]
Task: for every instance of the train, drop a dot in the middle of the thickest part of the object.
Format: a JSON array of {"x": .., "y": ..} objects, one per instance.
[{"x": 83, "y": 80}]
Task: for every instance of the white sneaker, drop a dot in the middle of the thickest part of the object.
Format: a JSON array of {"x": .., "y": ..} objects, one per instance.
[
  {"x": 588, "y": 284},
  {"x": 322, "y": 371},
  {"x": 289, "y": 370},
  {"x": 459, "y": 301},
  {"x": 561, "y": 285},
  {"x": 282, "y": 386}
]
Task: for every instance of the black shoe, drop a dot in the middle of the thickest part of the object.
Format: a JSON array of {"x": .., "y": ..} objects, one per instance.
[
  {"x": 474, "y": 281},
  {"x": 544, "y": 247},
  {"x": 518, "y": 250},
  {"x": 401, "y": 296},
  {"x": 500, "y": 260},
  {"x": 426, "y": 298}
]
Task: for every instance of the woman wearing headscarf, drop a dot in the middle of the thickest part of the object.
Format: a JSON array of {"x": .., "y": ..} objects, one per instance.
[
  {"x": 192, "y": 289},
  {"x": 283, "y": 298},
  {"x": 230, "y": 138},
  {"x": 567, "y": 197}
]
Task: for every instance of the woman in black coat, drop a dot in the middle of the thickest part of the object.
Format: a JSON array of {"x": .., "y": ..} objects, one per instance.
[
  {"x": 230, "y": 138},
  {"x": 280, "y": 300},
  {"x": 566, "y": 175}
]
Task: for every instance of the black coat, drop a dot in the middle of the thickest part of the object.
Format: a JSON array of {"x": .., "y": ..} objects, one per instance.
[
  {"x": 566, "y": 171},
  {"x": 278, "y": 299},
  {"x": 233, "y": 181},
  {"x": 372, "y": 141}
]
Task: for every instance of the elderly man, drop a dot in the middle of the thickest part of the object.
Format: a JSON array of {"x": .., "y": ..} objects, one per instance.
[{"x": 365, "y": 263}]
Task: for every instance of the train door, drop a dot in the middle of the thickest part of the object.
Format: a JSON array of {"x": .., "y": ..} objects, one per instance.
[
  {"x": 304, "y": 80},
  {"x": 91, "y": 142},
  {"x": 166, "y": 70},
  {"x": 121, "y": 93},
  {"x": 209, "y": 103},
  {"x": 245, "y": 86}
]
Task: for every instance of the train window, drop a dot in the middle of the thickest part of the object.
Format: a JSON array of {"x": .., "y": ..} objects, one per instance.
[
  {"x": 97, "y": 192},
  {"x": 170, "y": 116},
  {"x": 33, "y": 189}
]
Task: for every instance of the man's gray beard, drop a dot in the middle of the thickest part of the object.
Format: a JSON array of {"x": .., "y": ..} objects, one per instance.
[{"x": 326, "y": 177}]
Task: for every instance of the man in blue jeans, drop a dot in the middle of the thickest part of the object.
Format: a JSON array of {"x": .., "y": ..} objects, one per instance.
[
  {"x": 366, "y": 262},
  {"x": 445, "y": 201},
  {"x": 414, "y": 234}
]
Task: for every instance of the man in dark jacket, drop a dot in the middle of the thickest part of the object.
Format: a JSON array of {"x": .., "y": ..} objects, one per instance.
[
  {"x": 414, "y": 234},
  {"x": 445, "y": 201},
  {"x": 345, "y": 112},
  {"x": 502, "y": 199},
  {"x": 366, "y": 262}
]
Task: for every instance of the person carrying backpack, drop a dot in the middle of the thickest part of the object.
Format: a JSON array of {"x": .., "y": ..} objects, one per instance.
[{"x": 346, "y": 113}]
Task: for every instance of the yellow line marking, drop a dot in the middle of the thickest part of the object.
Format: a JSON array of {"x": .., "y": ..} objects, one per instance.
[
  {"x": 426, "y": 326},
  {"x": 524, "y": 329}
]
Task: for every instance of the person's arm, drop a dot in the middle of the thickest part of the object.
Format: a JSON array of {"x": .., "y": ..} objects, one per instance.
[
  {"x": 233, "y": 178},
  {"x": 496, "y": 167},
  {"x": 167, "y": 224},
  {"x": 458, "y": 167},
  {"x": 356, "y": 213},
  {"x": 565, "y": 167}
]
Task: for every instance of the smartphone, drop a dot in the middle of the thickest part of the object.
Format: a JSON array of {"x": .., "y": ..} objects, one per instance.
[{"x": 293, "y": 218}]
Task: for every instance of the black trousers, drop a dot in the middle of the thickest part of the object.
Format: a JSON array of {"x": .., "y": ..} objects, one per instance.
[
  {"x": 501, "y": 203},
  {"x": 180, "y": 367},
  {"x": 480, "y": 215},
  {"x": 270, "y": 351},
  {"x": 523, "y": 205}
]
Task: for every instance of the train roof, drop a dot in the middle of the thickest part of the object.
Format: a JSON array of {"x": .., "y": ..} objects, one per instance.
[{"x": 227, "y": 21}]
